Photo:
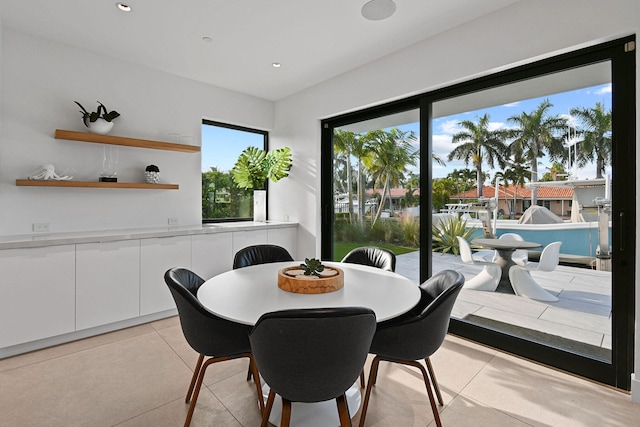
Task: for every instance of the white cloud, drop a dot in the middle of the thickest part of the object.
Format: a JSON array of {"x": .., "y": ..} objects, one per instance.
[
  {"x": 572, "y": 121},
  {"x": 496, "y": 125},
  {"x": 442, "y": 145},
  {"x": 604, "y": 90},
  {"x": 450, "y": 127}
]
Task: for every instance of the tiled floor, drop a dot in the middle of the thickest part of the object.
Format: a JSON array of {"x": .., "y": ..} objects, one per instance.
[
  {"x": 139, "y": 377},
  {"x": 583, "y": 312}
]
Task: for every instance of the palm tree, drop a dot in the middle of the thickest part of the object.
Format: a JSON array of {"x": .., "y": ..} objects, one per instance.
[
  {"x": 556, "y": 172},
  {"x": 412, "y": 184},
  {"x": 364, "y": 151},
  {"x": 596, "y": 132},
  {"x": 479, "y": 145},
  {"x": 394, "y": 151},
  {"x": 535, "y": 136},
  {"x": 343, "y": 144},
  {"x": 516, "y": 175},
  {"x": 455, "y": 176}
]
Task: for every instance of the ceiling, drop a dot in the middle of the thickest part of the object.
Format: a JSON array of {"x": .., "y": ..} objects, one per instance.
[{"x": 312, "y": 40}]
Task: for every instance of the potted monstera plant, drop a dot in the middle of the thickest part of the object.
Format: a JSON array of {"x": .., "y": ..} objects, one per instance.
[{"x": 252, "y": 170}]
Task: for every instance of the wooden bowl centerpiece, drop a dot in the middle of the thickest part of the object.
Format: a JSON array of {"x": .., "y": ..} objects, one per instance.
[{"x": 310, "y": 278}]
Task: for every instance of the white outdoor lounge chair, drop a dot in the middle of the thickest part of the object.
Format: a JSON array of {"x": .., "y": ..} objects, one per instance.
[
  {"x": 520, "y": 256},
  {"x": 520, "y": 276},
  {"x": 488, "y": 278}
]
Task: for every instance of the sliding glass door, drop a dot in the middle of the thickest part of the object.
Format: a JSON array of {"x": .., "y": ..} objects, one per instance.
[
  {"x": 544, "y": 154},
  {"x": 542, "y": 149},
  {"x": 376, "y": 187}
]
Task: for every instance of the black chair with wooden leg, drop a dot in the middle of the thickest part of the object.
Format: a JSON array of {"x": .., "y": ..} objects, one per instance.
[
  {"x": 260, "y": 254},
  {"x": 207, "y": 334},
  {"x": 256, "y": 255},
  {"x": 372, "y": 256},
  {"x": 414, "y": 337},
  {"x": 311, "y": 355}
]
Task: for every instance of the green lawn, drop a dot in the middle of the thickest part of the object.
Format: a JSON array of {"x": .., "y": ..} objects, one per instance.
[{"x": 341, "y": 249}]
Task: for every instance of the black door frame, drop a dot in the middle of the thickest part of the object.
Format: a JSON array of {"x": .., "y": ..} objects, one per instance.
[{"x": 621, "y": 54}]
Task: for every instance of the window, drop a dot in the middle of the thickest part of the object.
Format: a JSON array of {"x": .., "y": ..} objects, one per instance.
[
  {"x": 222, "y": 143},
  {"x": 566, "y": 93}
]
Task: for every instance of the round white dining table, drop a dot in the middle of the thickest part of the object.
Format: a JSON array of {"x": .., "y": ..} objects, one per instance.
[{"x": 245, "y": 294}]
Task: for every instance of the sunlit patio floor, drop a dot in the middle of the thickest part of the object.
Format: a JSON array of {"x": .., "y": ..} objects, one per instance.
[{"x": 582, "y": 314}]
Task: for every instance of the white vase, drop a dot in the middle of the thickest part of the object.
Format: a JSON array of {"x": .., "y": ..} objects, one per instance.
[
  {"x": 260, "y": 205},
  {"x": 100, "y": 126}
]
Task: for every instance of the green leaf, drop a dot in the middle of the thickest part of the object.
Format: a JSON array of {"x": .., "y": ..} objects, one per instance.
[
  {"x": 312, "y": 266},
  {"x": 254, "y": 166},
  {"x": 101, "y": 112},
  {"x": 278, "y": 163},
  {"x": 444, "y": 235}
]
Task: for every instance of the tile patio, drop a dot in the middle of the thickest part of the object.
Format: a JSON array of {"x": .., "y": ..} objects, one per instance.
[{"x": 583, "y": 312}]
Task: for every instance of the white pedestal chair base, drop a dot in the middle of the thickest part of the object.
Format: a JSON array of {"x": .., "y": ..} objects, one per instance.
[
  {"x": 486, "y": 280},
  {"x": 524, "y": 285}
]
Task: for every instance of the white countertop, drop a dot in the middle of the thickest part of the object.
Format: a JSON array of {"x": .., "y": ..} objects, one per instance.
[{"x": 101, "y": 236}]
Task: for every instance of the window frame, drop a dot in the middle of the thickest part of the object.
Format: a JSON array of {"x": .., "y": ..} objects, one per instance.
[
  {"x": 623, "y": 62},
  {"x": 265, "y": 135}
]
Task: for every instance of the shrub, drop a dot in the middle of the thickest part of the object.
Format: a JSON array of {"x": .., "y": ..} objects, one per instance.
[
  {"x": 410, "y": 230},
  {"x": 444, "y": 235}
]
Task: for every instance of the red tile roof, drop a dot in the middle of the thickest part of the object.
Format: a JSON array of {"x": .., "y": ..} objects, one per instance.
[{"x": 551, "y": 193}]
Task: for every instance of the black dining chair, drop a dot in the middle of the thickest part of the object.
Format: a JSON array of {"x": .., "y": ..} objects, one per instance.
[
  {"x": 312, "y": 355},
  {"x": 373, "y": 257},
  {"x": 260, "y": 254},
  {"x": 207, "y": 334},
  {"x": 413, "y": 338}
]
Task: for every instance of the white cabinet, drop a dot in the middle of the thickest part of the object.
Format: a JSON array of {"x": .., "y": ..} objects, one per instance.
[
  {"x": 285, "y": 237},
  {"x": 242, "y": 239},
  {"x": 37, "y": 293},
  {"x": 211, "y": 254},
  {"x": 74, "y": 288},
  {"x": 107, "y": 282},
  {"x": 157, "y": 255}
]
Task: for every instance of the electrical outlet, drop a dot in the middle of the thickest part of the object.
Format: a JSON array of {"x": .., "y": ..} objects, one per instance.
[
  {"x": 41, "y": 227},
  {"x": 173, "y": 221}
]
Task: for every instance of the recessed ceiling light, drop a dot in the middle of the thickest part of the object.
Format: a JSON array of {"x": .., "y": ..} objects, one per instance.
[
  {"x": 123, "y": 7},
  {"x": 276, "y": 65},
  {"x": 377, "y": 10},
  {"x": 207, "y": 39}
]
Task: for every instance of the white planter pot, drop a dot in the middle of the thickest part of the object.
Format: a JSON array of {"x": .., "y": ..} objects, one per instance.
[
  {"x": 260, "y": 205},
  {"x": 100, "y": 126}
]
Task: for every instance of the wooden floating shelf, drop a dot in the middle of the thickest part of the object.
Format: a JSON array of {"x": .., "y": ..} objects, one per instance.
[
  {"x": 88, "y": 184},
  {"x": 71, "y": 135}
]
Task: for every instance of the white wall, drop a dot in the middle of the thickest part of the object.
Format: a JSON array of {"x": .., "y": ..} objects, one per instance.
[
  {"x": 41, "y": 79},
  {"x": 518, "y": 34}
]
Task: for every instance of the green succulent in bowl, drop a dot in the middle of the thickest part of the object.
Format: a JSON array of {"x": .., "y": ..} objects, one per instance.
[{"x": 312, "y": 267}]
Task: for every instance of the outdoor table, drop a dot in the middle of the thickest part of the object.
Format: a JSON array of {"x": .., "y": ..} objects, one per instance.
[{"x": 505, "y": 249}]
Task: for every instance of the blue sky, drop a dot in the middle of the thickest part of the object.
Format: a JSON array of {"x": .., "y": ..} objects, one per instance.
[
  {"x": 446, "y": 127},
  {"x": 221, "y": 146}
]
